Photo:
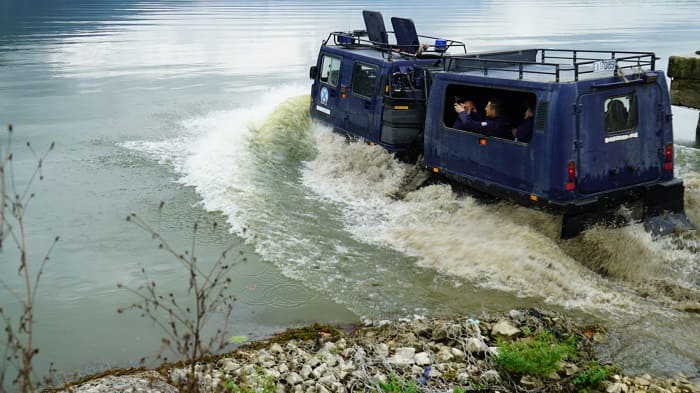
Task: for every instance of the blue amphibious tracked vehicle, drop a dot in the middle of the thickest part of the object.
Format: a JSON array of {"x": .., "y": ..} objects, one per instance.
[{"x": 601, "y": 132}]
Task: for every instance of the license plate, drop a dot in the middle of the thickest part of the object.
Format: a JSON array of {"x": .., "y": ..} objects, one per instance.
[{"x": 604, "y": 65}]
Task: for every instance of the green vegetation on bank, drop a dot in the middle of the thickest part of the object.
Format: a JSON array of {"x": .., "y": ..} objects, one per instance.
[
  {"x": 396, "y": 384},
  {"x": 538, "y": 355},
  {"x": 541, "y": 355},
  {"x": 256, "y": 383},
  {"x": 591, "y": 377}
]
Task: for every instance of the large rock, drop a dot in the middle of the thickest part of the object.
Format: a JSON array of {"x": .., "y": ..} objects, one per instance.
[
  {"x": 293, "y": 379},
  {"x": 684, "y": 67},
  {"x": 616, "y": 388},
  {"x": 685, "y": 92},
  {"x": 319, "y": 371},
  {"x": 382, "y": 350},
  {"x": 422, "y": 359},
  {"x": 276, "y": 349},
  {"x": 504, "y": 328},
  {"x": 228, "y": 365},
  {"x": 444, "y": 354},
  {"x": 403, "y": 357},
  {"x": 642, "y": 380},
  {"x": 475, "y": 345},
  {"x": 685, "y": 83}
]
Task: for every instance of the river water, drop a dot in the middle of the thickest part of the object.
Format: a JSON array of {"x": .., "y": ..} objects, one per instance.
[{"x": 177, "y": 101}]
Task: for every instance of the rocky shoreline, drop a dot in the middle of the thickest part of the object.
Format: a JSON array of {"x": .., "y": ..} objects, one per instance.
[{"x": 449, "y": 354}]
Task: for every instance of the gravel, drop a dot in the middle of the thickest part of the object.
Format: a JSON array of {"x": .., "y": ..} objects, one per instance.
[{"x": 432, "y": 355}]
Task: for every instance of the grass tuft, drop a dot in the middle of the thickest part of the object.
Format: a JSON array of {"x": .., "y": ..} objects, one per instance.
[
  {"x": 591, "y": 377},
  {"x": 539, "y": 355}
]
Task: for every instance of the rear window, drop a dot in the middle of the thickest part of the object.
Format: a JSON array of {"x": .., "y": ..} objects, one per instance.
[{"x": 621, "y": 113}]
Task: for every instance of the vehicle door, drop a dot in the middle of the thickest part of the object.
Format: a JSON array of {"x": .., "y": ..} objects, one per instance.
[
  {"x": 472, "y": 154},
  {"x": 449, "y": 149},
  {"x": 326, "y": 94},
  {"x": 619, "y": 137},
  {"x": 362, "y": 99},
  {"x": 456, "y": 151}
]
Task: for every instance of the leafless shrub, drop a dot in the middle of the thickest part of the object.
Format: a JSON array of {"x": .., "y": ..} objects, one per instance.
[
  {"x": 183, "y": 321},
  {"x": 19, "y": 347}
]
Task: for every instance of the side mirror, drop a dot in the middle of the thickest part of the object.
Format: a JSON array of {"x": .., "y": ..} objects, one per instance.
[{"x": 312, "y": 72}]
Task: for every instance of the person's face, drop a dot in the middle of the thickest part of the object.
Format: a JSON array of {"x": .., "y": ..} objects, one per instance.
[{"x": 490, "y": 112}]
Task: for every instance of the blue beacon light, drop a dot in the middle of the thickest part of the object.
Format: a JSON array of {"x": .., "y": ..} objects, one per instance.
[
  {"x": 345, "y": 39},
  {"x": 440, "y": 45}
]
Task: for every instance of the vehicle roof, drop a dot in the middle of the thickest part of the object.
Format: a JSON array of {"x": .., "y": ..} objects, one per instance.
[
  {"x": 535, "y": 64},
  {"x": 553, "y": 65},
  {"x": 543, "y": 73}
]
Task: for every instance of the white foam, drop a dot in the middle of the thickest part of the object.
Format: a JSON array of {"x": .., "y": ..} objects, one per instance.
[
  {"x": 497, "y": 246},
  {"x": 212, "y": 153},
  {"x": 451, "y": 234}
]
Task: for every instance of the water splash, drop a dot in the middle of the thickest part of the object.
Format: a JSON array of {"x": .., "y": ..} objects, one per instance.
[
  {"x": 284, "y": 135},
  {"x": 318, "y": 207},
  {"x": 692, "y": 197},
  {"x": 666, "y": 269},
  {"x": 496, "y": 246}
]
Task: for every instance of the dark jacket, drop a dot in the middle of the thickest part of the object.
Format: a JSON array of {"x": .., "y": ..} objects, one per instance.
[
  {"x": 496, "y": 126},
  {"x": 473, "y": 116},
  {"x": 524, "y": 131}
]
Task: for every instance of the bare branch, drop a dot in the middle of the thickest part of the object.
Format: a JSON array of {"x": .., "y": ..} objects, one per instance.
[
  {"x": 183, "y": 324},
  {"x": 19, "y": 352},
  {"x": 43, "y": 263}
]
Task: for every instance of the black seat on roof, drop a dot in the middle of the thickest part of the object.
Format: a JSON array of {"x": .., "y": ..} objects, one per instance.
[
  {"x": 374, "y": 23},
  {"x": 406, "y": 36}
]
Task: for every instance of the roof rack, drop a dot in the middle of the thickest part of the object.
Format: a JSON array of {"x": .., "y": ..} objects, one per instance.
[
  {"x": 358, "y": 39},
  {"x": 568, "y": 64},
  {"x": 407, "y": 40}
]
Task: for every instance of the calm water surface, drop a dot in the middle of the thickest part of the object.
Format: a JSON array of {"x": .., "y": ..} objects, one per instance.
[{"x": 153, "y": 101}]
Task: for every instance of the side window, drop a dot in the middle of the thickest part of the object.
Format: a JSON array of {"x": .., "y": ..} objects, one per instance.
[
  {"x": 620, "y": 113},
  {"x": 330, "y": 70},
  {"x": 498, "y": 113},
  {"x": 364, "y": 78}
]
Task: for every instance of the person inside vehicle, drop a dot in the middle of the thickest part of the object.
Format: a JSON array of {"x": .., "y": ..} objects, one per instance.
[
  {"x": 523, "y": 132},
  {"x": 470, "y": 108},
  {"x": 493, "y": 125}
]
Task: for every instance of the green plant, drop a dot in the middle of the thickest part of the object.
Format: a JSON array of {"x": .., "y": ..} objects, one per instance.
[
  {"x": 260, "y": 383},
  {"x": 591, "y": 377},
  {"x": 184, "y": 320},
  {"x": 538, "y": 355},
  {"x": 395, "y": 384},
  {"x": 20, "y": 348}
]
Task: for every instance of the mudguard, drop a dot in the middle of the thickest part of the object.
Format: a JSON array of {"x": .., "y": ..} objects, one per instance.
[{"x": 663, "y": 210}]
